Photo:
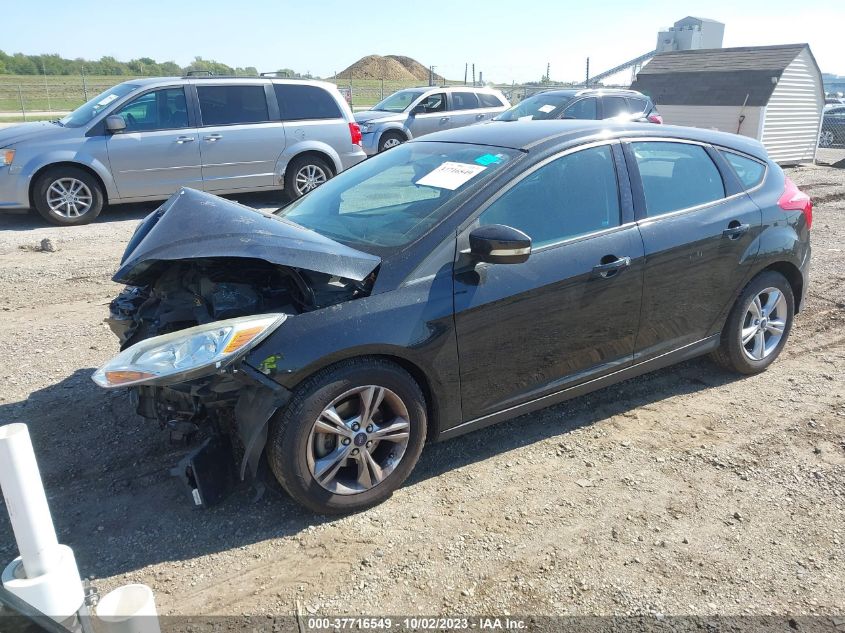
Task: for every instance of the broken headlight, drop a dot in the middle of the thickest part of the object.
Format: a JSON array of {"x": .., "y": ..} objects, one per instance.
[{"x": 186, "y": 354}]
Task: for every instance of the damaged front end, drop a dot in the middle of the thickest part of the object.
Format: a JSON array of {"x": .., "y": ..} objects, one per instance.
[{"x": 207, "y": 281}]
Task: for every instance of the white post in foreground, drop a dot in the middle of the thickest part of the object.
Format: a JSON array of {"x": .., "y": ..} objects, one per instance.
[{"x": 45, "y": 574}]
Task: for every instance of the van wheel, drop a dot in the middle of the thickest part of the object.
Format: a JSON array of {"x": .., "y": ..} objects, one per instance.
[
  {"x": 349, "y": 436},
  {"x": 67, "y": 196},
  {"x": 390, "y": 139},
  {"x": 304, "y": 174},
  {"x": 758, "y": 325}
]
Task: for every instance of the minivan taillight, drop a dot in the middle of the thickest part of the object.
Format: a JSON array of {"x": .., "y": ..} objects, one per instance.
[
  {"x": 654, "y": 118},
  {"x": 793, "y": 199},
  {"x": 355, "y": 133}
]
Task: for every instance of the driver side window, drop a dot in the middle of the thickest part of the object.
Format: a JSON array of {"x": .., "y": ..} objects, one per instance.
[
  {"x": 157, "y": 110},
  {"x": 433, "y": 103}
]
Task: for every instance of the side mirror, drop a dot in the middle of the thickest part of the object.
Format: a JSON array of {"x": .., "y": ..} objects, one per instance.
[
  {"x": 115, "y": 123},
  {"x": 499, "y": 244},
  {"x": 418, "y": 109}
]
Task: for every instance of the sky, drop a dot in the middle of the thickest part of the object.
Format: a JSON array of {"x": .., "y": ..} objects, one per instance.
[{"x": 507, "y": 40}]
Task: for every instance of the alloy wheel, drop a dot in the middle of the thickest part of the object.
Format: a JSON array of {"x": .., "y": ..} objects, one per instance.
[
  {"x": 358, "y": 440},
  {"x": 391, "y": 142},
  {"x": 764, "y": 324},
  {"x": 309, "y": 177},
  {"x": 826, "y": 138},
  {"x": 69, "y": 198}
]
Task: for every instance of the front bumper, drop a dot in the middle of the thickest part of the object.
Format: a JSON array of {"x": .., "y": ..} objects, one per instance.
[{"x": 14, "y": 188}]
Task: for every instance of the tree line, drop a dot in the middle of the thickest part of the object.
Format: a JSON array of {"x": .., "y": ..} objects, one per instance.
[{"x": 20, "y": 64}]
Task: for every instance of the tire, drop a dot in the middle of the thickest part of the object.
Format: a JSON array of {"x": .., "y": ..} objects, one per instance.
[
  {"x": 47, "y": 196},
  {"x": 304, "y": 174},
  {"x": 305, "y": 461},
  {"x": 732, "y": 353},
  {"x": 826, "y": 139},
  {"x": 390, "y": 139}
]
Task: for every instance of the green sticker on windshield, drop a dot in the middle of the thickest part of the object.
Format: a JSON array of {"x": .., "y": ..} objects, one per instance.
[{"x": 489, "y": 159}]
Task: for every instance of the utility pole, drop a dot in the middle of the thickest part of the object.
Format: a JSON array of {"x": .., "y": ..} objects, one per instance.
[
  {"x": 473, "y": 75},
  {"x": 431, "y": 75},
  {"x": 46, "y": 87},
  {"x": 548, "y": 71},
  {"x": 587, "y": 80},
  {"x": 466, "y": 69},
  {"x": 84, "y": 85},
  {"x": 480, "y": 78}
]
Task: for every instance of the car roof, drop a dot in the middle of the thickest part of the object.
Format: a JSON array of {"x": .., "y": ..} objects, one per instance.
[
  {"x": 154, "y": 81},
  {"x": 577, "y": 92},
  {"x": 525, "y": 135}
]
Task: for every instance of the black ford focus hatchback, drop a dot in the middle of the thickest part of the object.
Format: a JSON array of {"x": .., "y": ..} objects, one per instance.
[{"x": 445, "y": 285}]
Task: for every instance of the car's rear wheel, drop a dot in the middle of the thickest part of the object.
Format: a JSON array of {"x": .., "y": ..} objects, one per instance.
[
  {"x": 304, "y": 174},
  {"x": 390, "y": 139},
  {"x": 349, "y": 437},
  {"x": 67, "y": 196},
  {"x": 758, "y": 325}
]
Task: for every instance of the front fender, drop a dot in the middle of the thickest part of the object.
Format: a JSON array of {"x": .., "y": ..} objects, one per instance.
[
  {"x": 82, "y": 158},
  {"x": 398, "y": 126}
]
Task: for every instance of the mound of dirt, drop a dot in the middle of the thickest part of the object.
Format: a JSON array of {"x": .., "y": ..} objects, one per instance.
[{"x": 390, "y": 67}]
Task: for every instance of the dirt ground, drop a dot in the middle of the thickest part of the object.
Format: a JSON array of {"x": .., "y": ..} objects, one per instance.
[{"x": 687, "y": 491}]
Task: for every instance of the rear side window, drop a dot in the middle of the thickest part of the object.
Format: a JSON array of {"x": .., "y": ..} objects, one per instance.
[
  {"x": 573, "y": 195},
  {"x": 749, "y": 171},
  {"x": 490, "y": 101},
  {"x": 227, "y": 105},
  {"x": 299, "y": 102},
  {"x": 582, "y": 109},
  {"x": 464, "y": 101},
  {"x": 637, "y": 106},
  {"x": 676, "y": 176},
  {"x": 614, "y": 106}
]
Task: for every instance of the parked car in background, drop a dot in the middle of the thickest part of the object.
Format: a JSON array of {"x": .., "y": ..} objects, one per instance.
[
  {"x": 414, "y": 112},
  {"x": 588, "y": 103},
  {"x": 145, "y": 138},
  {"x": 453, "y": 282},
  {"x": 832, "y": 133}
]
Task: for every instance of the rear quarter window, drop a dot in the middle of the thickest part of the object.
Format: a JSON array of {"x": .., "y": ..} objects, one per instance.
[
  {"x": 301, "y": 102},
  {"x": 489, "y": 101},
  {"x": 749, "y": 171}
]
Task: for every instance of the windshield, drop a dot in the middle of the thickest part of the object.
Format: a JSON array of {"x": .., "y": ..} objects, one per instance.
[
  {"x": 541, "y": 106},
  {"x": 391, "y": 200},
  {"x": 84, "y": 113},
  {"x": 398, "y": 101}
]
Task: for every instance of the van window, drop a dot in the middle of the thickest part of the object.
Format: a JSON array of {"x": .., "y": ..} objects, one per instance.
[
  {"x": 228, "y": 105},
  {"x": 614, "y": 106},
  {"x": 489, "y": 101},
  {"x": 676, "y": 176},
  {"x": 299, "y": 102},
  {"x": 157, "y": 110},
  {"x": 582, "y": 109}
]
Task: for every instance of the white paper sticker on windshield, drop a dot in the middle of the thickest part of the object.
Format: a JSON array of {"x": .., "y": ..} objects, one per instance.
[
  {"x": 450, "y": 175},
  {"x": 546, "y": 108},
  {"x": 527, "y": 117},
  {"x": 107, "y": 100}
]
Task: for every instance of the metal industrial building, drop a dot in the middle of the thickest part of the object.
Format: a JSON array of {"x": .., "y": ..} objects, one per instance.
[{"x": 771, "y": 93}]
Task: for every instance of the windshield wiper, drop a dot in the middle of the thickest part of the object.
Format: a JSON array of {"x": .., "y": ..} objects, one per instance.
[{"x": 58, "y": 122}]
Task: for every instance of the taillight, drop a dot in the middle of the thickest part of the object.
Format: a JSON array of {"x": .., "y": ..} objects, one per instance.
[
  {"x": 793, "y": 199},
  {"x": 355, "y": 133},
  {"x": 655, "y": 118}
]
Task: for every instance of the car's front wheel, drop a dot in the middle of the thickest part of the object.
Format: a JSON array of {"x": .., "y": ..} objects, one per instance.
[
  {"x": 67, "y": 196},
  {"x": 390, "y": 139},
  {"x": 758, "y": 325},
  {"x": 826, "y": 138},
  {"x": 349, "y": 437}
]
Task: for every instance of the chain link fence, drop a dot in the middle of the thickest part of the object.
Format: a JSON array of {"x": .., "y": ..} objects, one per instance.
[{"x": 831, "y": 150}]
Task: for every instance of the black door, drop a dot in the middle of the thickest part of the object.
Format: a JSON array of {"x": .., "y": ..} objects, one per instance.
[
  {"x": 699, "y": 243},
  {"x": 567, "y": 314}
]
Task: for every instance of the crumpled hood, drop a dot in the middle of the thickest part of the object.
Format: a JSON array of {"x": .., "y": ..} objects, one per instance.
[
  {"x": 376, "y": 115},
  {"x": 193, "y": 224},
  {"x": 41, "y": 130}
]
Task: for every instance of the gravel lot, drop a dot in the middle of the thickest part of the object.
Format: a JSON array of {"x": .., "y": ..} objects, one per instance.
[{"x": 687, "y": 491}]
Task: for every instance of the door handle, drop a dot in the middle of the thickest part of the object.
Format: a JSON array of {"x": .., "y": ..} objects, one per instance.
[
  {"x": 610, "y": 268},
  {"x": 443, "y": 119},
  {"x": 479, "y": 116},
  {"x": 735, "y": 230},
  {"x": 213, "y": 137},
  {"x": 185, "y": 139}
]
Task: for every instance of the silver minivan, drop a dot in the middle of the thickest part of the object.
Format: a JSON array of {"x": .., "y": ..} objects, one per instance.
[
  {"x": 413, "y": 112},
  {"x": 145, "y": 138}
]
